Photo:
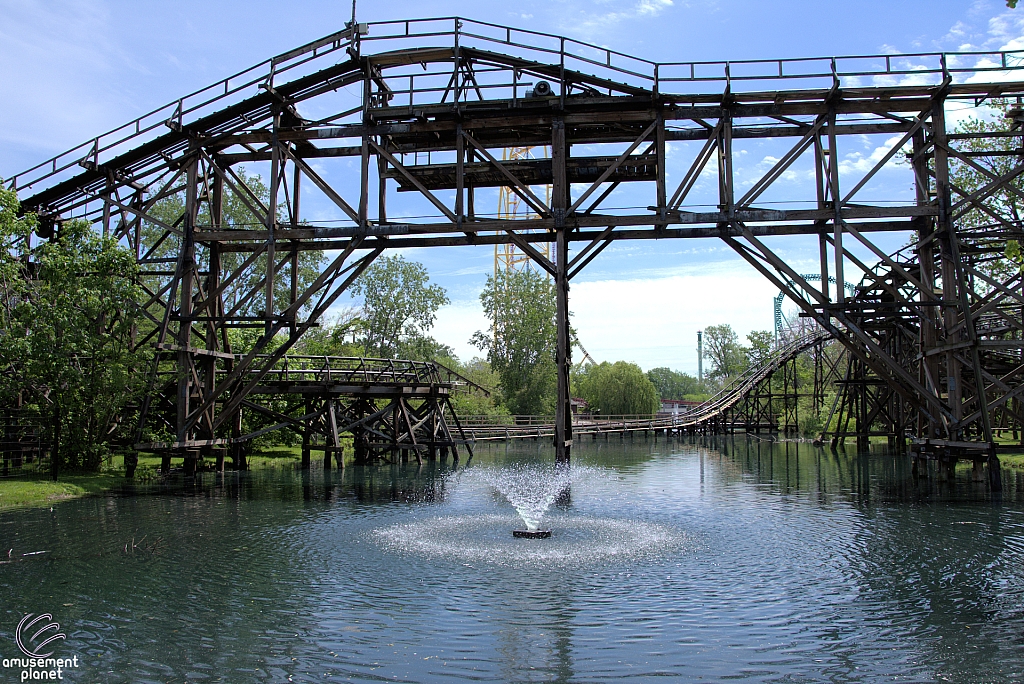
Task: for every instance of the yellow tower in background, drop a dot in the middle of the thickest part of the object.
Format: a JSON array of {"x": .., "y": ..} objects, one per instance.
[{"x": 508, "y": 258}]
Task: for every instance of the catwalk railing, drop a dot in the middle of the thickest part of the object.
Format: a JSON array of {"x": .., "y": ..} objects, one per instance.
[{"x": 536, "y": 48}]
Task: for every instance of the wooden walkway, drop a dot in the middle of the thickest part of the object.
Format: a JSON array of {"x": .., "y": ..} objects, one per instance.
[{"x": 713, "y": 415}]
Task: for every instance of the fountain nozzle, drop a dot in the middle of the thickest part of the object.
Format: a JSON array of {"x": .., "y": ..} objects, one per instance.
[{"x": 531, "y": 534}]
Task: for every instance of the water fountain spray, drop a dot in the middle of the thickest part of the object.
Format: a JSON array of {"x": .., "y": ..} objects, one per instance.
[{"x": 531, "y": 490}]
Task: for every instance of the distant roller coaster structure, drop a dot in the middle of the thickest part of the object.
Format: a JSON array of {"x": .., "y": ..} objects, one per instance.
[
  {"x": 422, "y": 106},
  {"x": 780, "y": 319}
]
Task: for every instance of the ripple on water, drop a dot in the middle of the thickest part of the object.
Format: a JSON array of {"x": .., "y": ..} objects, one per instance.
[{"x": 575, "y": 540}]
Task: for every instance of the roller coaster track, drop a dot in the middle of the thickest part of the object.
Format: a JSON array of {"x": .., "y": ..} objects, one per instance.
[{"x": 706, "y": 413}]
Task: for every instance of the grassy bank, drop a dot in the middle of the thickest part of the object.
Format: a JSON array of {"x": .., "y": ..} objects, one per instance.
[
  {"x": 1012, "y": 460},
  {"x": 36, "y": 489},
  {"x": 40, "y": 490}
]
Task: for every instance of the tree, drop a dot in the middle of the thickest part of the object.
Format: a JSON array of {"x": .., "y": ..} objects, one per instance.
[
  {"x": 474, "y": 402},
  {"x": 521, "y": 343},
  {"x": 66, "y": 341},
  {"x": 398, "y": 304},
  {"x": 426, "y": 348},
  {"x": 673, "y": 384},
  {"x": 336, "y": 336},
  {"x": 14, "y": 290},
  {"x": 722, "y": 348},
  {"x": 761, "y": 344},
  {"x": 619, "y": 388}
]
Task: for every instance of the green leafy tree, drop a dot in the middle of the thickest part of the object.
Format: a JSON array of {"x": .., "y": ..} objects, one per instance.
[
  {"x": 761, "y": 344},
  {"x": 722, "y": 348},
  {"x": 399, "y": 304},
  {"x": 66, "y": 343},
  {"x": 14, "y": 291},
  {"x": 426, "y": 348},
  {"x": 336, "y": 336},
  {"x": 476, "y": 403},
  {"x": 673, "y": 384},
  {"x": 521, "y": 343},
  {"x": 619, "y": 388}
]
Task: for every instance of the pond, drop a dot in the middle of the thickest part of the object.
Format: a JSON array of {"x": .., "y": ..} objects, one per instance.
[{"x": 733, "y": 559}]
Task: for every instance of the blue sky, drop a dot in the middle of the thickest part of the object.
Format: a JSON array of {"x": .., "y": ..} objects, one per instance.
[{"x": 76, "y": 68}]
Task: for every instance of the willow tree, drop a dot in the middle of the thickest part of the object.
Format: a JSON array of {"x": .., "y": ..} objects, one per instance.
[
  {"x": 618, "y": 389},
  {"x": 672, "y": 384}
]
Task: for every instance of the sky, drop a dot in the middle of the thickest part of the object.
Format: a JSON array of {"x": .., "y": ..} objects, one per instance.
[{"x": 77, "y": 68}]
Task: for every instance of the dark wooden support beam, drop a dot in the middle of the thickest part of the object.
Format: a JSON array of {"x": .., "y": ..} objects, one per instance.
[{"x": 563, "y": 362}]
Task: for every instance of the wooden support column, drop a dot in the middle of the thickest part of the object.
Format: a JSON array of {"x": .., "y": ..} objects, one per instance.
[
  {"x": 364, "y": 155},
  {"x": 185, "y": 289},
  {"x": 819, "y": 175},
  {"x": 725, "y": 179},
  {"x": 460, "y": 174},
  {"x": 382, "y": 190},
  {"x": 294, "y": 263},
  {"x": 213, "y": 310},
  {"x": 275, "y": 182},
  {"x": 837, "y": 220},
  {"x": 959, "y": 284},
  {"x": 929, "y": 373},
  {"x": 660, "y": 150},
  {"x": 559, "y": 204},
  {"x": 563, "y": 410},
  {"x": 948, "y": 264},
  {"x": 107, "y": 192}
]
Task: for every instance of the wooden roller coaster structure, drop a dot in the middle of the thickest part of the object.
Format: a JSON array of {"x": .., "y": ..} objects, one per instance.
[{"x": 423, "y": 107}]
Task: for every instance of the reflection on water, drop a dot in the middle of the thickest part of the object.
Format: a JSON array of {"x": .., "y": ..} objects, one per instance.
[{"x": 728, "y": 559}]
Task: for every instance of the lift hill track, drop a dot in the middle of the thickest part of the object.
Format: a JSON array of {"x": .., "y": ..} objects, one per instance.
[{"x": 734, "y": 407}]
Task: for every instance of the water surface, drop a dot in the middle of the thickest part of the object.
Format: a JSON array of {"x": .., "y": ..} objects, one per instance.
[{"x": 733, "y": 560}]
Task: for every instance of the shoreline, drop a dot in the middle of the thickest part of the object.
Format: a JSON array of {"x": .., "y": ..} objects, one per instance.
[{"x": 37, "y": 490}]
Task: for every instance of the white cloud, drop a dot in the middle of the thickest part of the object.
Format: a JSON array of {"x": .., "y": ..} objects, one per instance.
[
  {"x": 861, "y": 163},
  {"x": 652, "y": 7},
  {"x": 651, "y": 320},
  {"x": 599, "y": 22},
  {"x": 456, "y": 323},
  {"x": 654, "y": 321}
]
